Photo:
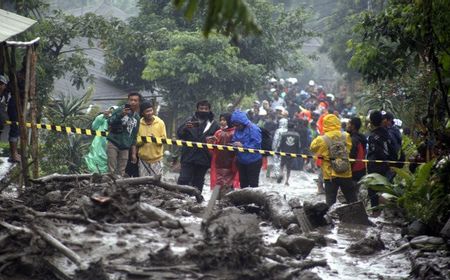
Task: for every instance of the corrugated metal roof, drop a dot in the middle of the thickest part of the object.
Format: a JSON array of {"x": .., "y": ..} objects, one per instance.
[{"x": 12, "y": 24}]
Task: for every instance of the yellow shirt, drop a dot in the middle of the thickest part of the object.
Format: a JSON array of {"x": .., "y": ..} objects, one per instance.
[
  {"x": 151, "y": 152},
  {"x": 332, "y": 129}
]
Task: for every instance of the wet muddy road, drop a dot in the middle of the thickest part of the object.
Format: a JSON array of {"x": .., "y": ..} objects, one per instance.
[
  {"x": 142, "y": 232},
  {"x": 341, "y": 265}
]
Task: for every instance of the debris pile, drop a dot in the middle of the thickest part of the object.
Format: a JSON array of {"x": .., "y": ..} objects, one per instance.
[{"x": 99, "y": 227}]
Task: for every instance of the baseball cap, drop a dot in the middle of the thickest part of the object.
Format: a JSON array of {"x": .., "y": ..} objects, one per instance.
[{"x": 4, "y": 79}]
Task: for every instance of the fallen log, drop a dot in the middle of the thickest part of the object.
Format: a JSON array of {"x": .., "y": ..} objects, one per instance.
[
  {"x": 279, "y": 211},
  {"x": 61, "y": 248},
  {"x": 14, "y": 229},
  {"x": 70, "y": 217},
  {"x": 153, "y": 213},
  {"x": 61, "y": 178},
  {"x": 311, "y": 264},
  {"x": 153, "y": 180}
]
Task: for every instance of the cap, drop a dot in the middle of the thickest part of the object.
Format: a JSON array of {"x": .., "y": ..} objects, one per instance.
[
  {"x": 4, "y": 79},
  {"x": 311, "y": 83},
  {"x": 387, "y": 115}
]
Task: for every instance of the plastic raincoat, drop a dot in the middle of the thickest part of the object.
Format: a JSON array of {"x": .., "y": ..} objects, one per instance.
[
  {"x": 224, "y": 171},
  {"x": 332, "y": 129},
  {"x": 282, "y": 128},
  {"x": 96, "y": 159}
]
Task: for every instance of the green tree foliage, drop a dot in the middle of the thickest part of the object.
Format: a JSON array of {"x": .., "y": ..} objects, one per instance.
[
  {"x": 404, "y": 36},
  {"x": 191, "y": 68},
  {"x": 276, "y": 47},
  {"x": 229, "y": 17},
  {"x": 283, "y": 33}
]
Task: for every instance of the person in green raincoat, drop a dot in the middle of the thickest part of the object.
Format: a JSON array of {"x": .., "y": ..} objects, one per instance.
[{"x": 96, "y": 159}]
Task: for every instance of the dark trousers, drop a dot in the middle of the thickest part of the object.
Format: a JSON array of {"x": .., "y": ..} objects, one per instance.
[
  {"x": 249, "y": 174},
  {"x": 193, "y": 175},
  {"x": 347, "y": 187}
]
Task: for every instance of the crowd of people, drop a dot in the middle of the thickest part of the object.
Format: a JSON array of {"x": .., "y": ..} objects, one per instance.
[
  {"x": 287, "y": 119},
  {"x": 291, "y": 120}
]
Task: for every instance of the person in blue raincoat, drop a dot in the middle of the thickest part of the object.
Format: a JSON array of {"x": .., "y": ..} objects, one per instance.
[
  {"x": 96, "y": 159},
  {"x": 247, "y": 135}
]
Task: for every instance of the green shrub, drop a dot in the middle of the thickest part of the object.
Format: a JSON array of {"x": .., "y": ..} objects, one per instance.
[{"x": 423, "y": 195}]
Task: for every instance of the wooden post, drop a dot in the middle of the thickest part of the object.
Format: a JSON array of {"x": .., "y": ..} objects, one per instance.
[
  {"x": 23, "y": 131},
  {"x": 33, "y": 113}
]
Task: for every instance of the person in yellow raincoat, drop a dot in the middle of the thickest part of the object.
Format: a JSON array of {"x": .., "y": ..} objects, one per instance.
[{"x": 332, "y": 179}]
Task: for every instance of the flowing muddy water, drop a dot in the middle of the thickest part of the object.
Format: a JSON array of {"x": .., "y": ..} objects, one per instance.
[{"x": 341, "y": 265}]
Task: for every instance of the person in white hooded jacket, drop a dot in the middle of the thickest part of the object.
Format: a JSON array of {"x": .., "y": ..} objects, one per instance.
[{"x": 282, "y": 128}]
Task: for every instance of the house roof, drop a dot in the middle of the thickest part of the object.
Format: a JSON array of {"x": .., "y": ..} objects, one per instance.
[{"x": 12, "y": 24}]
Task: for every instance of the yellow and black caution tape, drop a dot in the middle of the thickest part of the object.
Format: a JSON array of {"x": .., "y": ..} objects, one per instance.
[{"x": 198, "y": 145}]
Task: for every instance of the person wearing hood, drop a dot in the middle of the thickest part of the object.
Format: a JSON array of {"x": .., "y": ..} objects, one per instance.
[
  {"x": 247, "y": 135},
  {"x": 224, "y": 172},
  {"x": 196, "y": 161},
  {"x": 394, "y": 133},
  {"x": 332, "y": 179},
  {"x": 282, "y": 128},
  {"x": 380, "y": 147},
  {"x": 150, "y": 154},
  {"x": 358, "y": 151},
  {"x": 97, "y": 160}
]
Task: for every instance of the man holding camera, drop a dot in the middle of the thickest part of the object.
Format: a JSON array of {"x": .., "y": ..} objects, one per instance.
[
  {"x": 123, "y": 128},
  {"x": 194, "y": 161}
]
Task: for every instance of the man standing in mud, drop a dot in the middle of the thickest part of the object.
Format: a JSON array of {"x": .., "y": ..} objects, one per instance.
[
  {"x": 150, "y": 154},
  {"x": 195, "y": 161},
  {"x": 380, "y": 147},
  {"x": 123, "y": 128}
]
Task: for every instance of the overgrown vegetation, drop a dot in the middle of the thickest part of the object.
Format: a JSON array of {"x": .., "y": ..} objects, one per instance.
[
  {"x": 63, "y": 153},
  {"x": 424, "y": 195}
]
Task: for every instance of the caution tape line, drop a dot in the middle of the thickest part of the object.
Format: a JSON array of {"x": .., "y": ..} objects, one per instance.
[{"x": 198, "y": 145}]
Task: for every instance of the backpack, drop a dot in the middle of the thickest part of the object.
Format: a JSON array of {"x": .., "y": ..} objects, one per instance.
[
  {"x": 266, "y": 139},
  {"x": 338, "y": 154}
]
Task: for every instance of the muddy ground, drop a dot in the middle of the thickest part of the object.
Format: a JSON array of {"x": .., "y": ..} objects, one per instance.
[{"x": 95, "y": 228}]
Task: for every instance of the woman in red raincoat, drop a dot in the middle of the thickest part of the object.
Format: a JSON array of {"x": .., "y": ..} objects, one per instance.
[{"x": 224, "y": 172}]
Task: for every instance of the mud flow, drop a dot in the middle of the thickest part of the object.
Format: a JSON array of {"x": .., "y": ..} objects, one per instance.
[{"x": 100, "y": 227}]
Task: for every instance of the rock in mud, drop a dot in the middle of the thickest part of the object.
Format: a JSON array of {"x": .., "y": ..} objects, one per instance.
[
  {"x": 417, "y": 228},
  {"x": 445, "y": 232},
  {"x": 293, "y": 229},
  {"x": 367, "y": 246},
  {"x": 275, "y": 206},
  {"x": 231, "y": 240},
  {"x": 353, "y": 213},
  {"x": 316, "y": 213},
  {"x": 296, "y": 244},
  {"x": 427, "y": 243},
  {"x": 54, "y": 196},
  {"x": 318, "y": 238},
  {"x": 95, "y": 271},
  {"x": 295, "y": 202},
  {"x": 280, "y": 251}
]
